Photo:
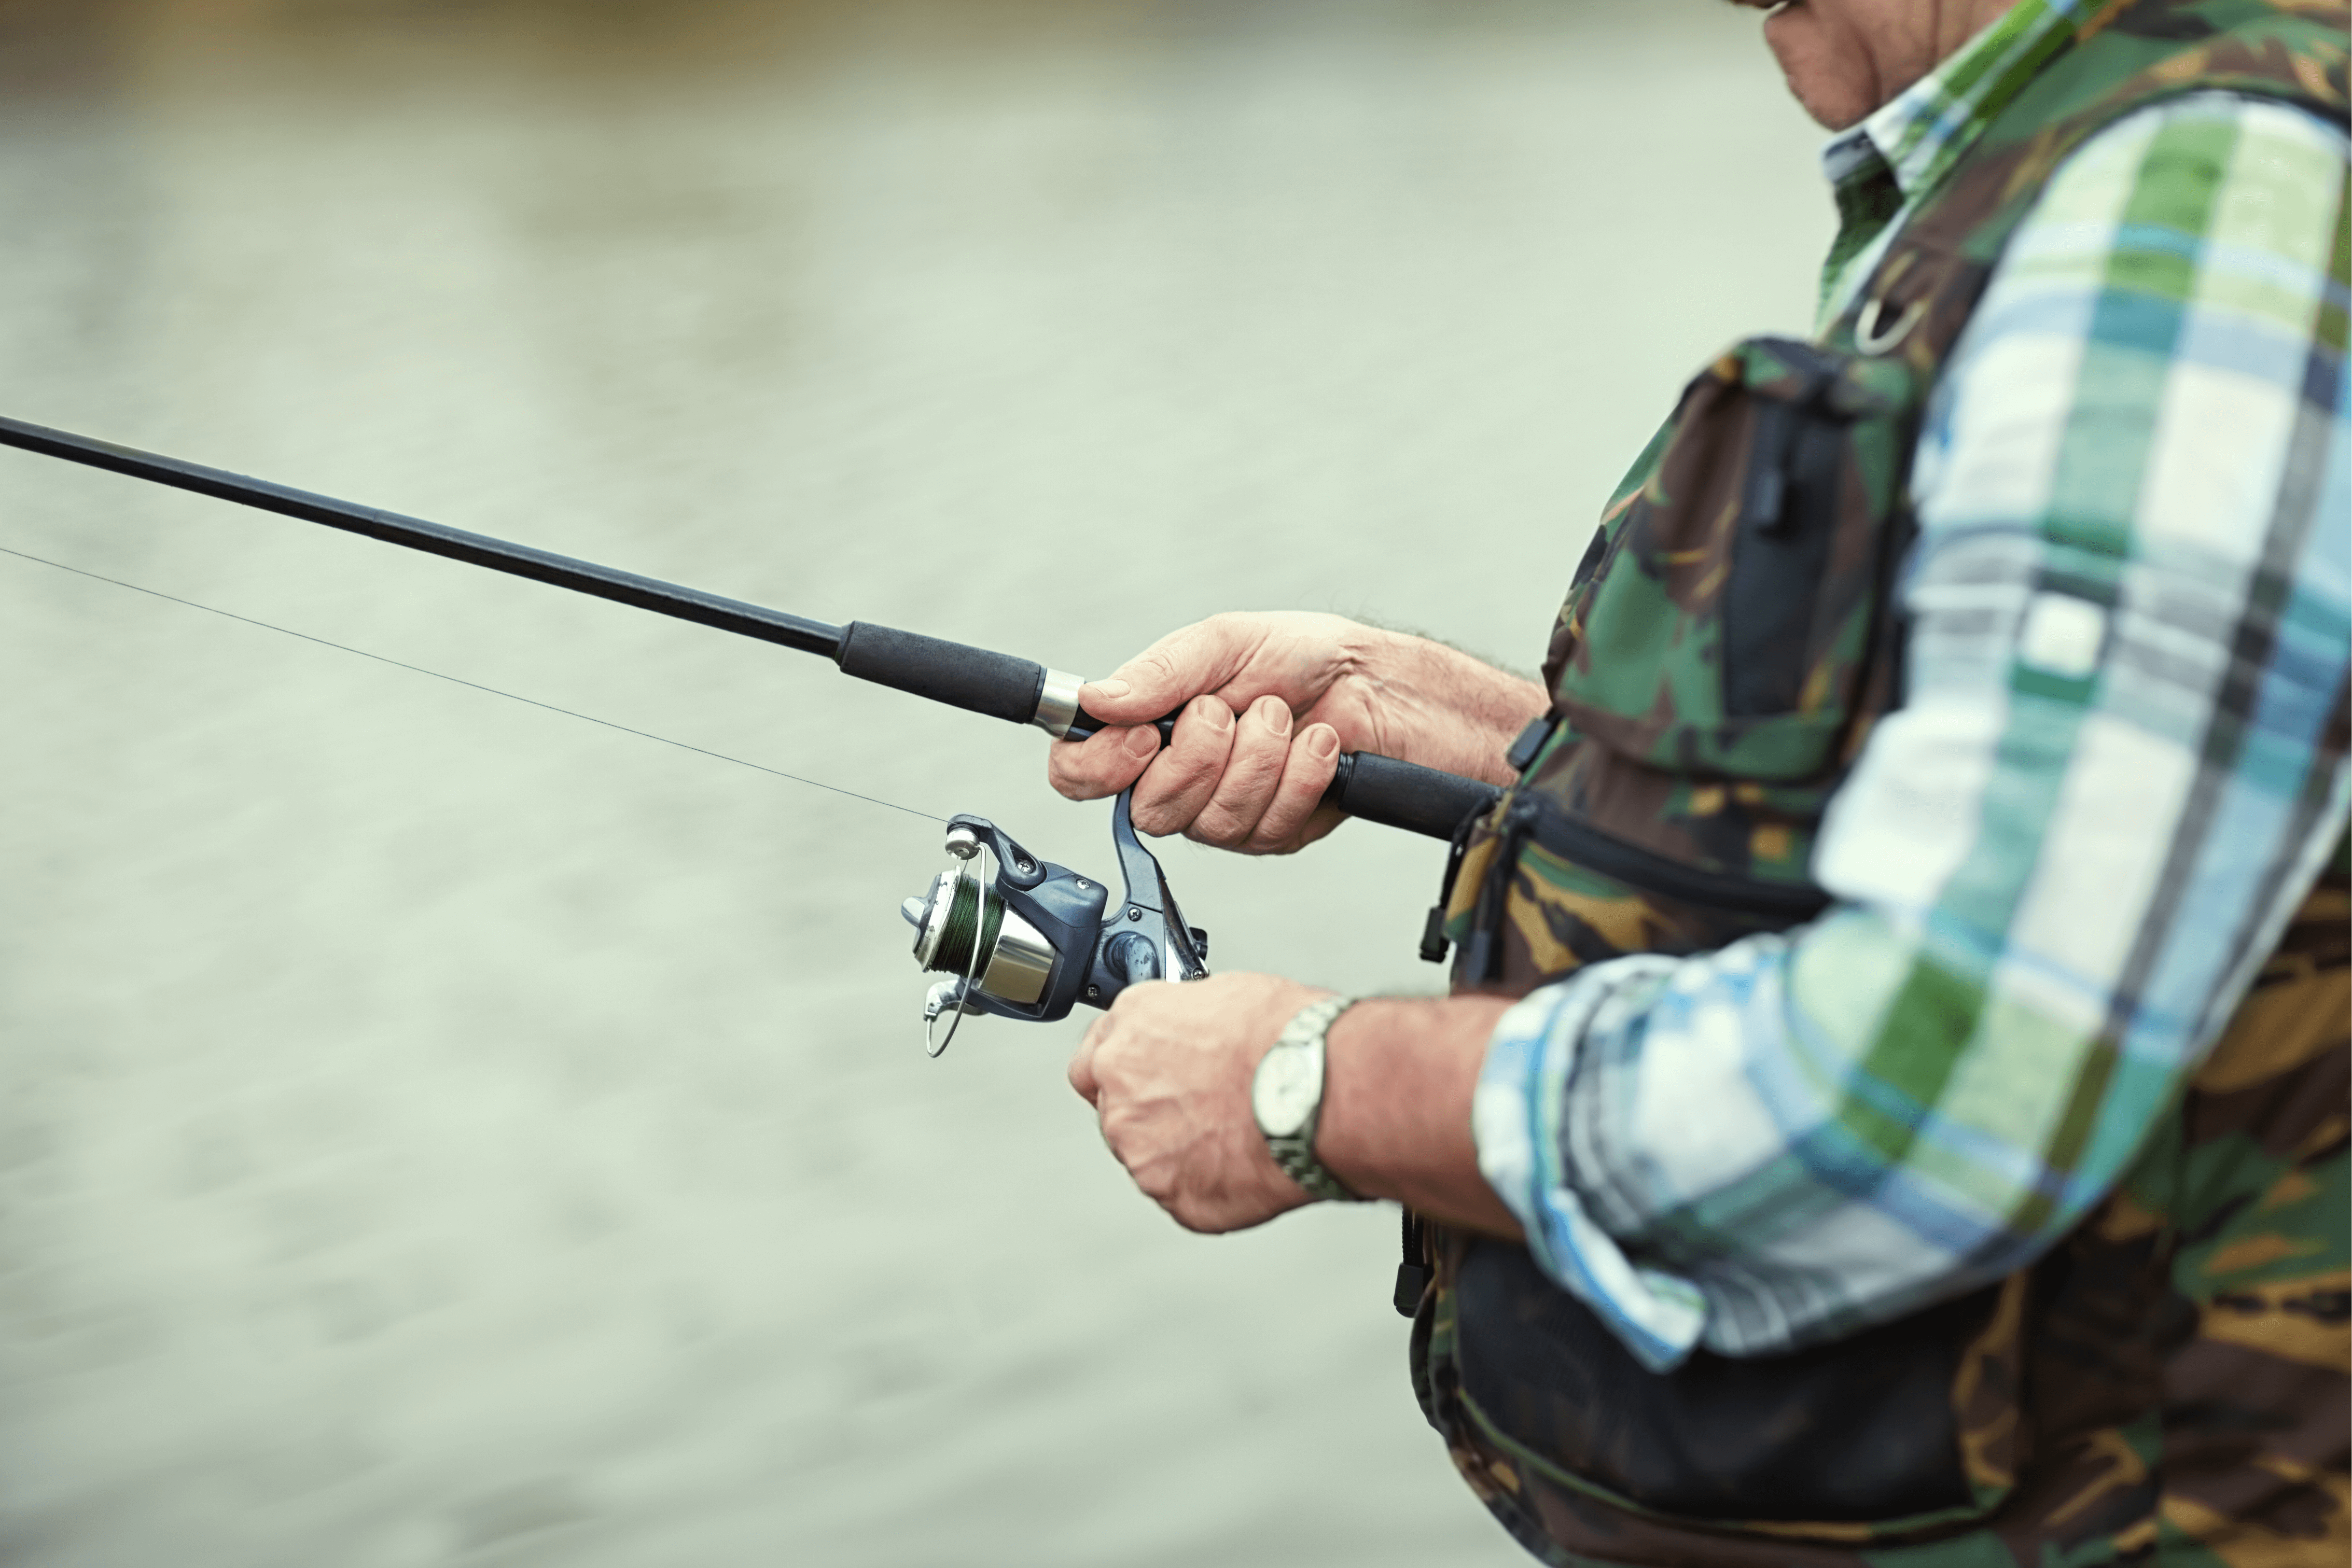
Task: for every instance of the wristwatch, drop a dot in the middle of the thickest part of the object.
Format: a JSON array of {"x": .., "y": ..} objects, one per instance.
[{"x": 1288, "y": 1097}]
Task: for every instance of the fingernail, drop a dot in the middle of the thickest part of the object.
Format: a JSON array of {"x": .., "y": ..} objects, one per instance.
[
  {"x": 1323, "y": 743},
  {"x": 1275, "y": 714},
  {"x": 1113, "y": 688},
  {"x": 1219, "y": 715},
  {"x": 1142, "y": 744}
]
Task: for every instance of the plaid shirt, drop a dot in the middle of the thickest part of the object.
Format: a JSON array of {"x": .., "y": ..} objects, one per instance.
[{"x": 2058, "y": 865}]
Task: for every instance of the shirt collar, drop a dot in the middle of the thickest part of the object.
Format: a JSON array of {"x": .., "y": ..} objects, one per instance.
[{"x": 1920, "y": 133}]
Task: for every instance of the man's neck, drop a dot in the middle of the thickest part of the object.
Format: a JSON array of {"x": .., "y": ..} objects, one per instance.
[
  {"x": 1949, "y": 24},
  {"x": 1957, "y": 21}
]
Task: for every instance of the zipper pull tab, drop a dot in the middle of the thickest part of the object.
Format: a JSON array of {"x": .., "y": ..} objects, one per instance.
[
  {"x": 1412, "y": 1279},
  {"x": 1413, "y": 1273},
  {"x": 1433, "y": 944}
]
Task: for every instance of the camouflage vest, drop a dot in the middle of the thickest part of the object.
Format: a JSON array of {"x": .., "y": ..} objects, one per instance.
[{"x": 2168, "y": 1385}]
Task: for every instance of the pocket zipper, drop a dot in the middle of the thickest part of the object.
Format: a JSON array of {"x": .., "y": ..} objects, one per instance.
[{"x": 1647, "y": 871}]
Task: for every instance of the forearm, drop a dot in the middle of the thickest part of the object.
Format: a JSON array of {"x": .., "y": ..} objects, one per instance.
[
  {"x": 1396, "y": 1107},
  {"x": 1437, "y": 706}
]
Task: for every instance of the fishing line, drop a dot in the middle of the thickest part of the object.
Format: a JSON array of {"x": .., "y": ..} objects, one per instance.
[
  {"x": 996, "y": 686},
  {"x": 475, "y": 685}
]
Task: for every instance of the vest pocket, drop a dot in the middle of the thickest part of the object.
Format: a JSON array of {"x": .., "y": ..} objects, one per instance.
[
  {"x": 1725, "y": 623},
  {"x": 1905, "y": 1431}
]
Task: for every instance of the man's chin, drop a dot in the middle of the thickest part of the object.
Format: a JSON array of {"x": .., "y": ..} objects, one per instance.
[{"x": 1811, "y": 53}]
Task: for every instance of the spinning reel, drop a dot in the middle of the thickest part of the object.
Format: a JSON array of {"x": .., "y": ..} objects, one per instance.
[{"x": 1035, "y": 940}]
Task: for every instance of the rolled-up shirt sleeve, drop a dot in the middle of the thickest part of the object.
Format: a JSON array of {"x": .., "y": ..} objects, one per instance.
[{"x": 2057, "y": 865}]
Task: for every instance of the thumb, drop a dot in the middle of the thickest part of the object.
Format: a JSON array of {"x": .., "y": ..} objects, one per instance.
[
  {"x": 1120, "y": 699},
  {"x": 1166, "y": 676}
]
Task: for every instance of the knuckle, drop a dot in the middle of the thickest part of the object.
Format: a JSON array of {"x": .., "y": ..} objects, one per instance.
[
  {"x": 1232, "y": 626},
  {"x": 1158, "y": 819},
  {"x": 1136, "y": 998},
  {"x": 1078, "y": 773},
  {"x": 1257, "y": 771},
  {"x": 1172, "y": 811},
  {"x": 1217, "y": 715},
  {"x": 1277, "y": 832},
  {"x": 1160, "y": 665},
  {"x": 1116, "y": 1121},
  {"x": 1190, "y": 767},
  {"x": 1194, "y": 1217},
  {"x": 1219, "y": 827}
]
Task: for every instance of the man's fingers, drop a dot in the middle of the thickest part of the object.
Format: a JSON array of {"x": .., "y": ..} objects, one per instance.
[
  {"x": 1253, "y": 772},
  {"x": 1175, "y": 788},
  {"x": 1308, "y": 768},
  {"x": 1103, "y": 764}
]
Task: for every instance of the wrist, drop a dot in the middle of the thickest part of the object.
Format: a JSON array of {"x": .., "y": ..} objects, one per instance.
[
  {"x": 1399, "y": 1077},
  {"x": 1437, "y": 706}
]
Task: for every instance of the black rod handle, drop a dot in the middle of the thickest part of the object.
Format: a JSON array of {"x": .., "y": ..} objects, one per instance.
[
  {"x": 1406, "y": 795},
  {"x": 996, "y": 684},
  {"x": 414, "y": 533}
]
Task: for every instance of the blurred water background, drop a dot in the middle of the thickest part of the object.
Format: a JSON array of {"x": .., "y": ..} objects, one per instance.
[{"x": 434, "y": 1129}]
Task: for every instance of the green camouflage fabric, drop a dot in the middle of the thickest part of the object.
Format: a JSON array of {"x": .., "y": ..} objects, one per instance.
[
  {"x": 2171, "y": 1384},
  {"x": 1707, "y": 713}
]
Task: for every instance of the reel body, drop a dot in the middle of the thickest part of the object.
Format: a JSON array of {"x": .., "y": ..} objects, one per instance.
[{"x": 1038, "y": 939}]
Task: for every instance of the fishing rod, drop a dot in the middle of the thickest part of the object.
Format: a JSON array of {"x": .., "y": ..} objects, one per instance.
[
  {"x": 1013, "y": 934},
  {"x": 1378, "y": 789}
]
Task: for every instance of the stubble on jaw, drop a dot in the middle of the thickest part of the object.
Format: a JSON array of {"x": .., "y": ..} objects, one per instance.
[{"x": 1845, "y": 58}]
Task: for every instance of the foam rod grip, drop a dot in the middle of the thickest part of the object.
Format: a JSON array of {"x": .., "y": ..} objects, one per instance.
[
  {"x": 1405, "y": 795},
  {"x": 972, "y": 679}
]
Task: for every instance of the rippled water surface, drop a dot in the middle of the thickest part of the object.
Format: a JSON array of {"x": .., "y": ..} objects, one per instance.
[{"x": 437, "y": 1129}]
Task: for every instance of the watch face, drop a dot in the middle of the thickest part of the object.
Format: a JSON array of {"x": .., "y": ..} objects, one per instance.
[{"x": 1286, "y": 1090}]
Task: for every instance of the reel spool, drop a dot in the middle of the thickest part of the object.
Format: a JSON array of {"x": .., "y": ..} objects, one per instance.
[
  {"x": 963, "y": 928},
  {"x": 1033, "y": 941}
]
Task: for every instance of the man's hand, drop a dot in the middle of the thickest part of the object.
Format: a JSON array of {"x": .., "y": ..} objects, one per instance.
[
  {"x": 1168, "y": 1070},
  {"x": 1269, "y": 701}
]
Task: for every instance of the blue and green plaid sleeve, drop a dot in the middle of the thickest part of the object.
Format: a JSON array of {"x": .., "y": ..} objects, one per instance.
[{"x": 2058, "y": 864}]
